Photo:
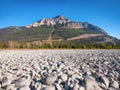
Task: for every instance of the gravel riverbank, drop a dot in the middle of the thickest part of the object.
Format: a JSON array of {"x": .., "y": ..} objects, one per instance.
[{"x": 59, "y": 69}]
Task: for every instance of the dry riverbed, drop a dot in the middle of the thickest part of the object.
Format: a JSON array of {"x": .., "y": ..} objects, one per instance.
[{"x": 59, "y": 69}]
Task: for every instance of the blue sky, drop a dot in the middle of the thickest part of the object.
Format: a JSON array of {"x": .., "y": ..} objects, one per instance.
[{"x": 103, "y": 13}]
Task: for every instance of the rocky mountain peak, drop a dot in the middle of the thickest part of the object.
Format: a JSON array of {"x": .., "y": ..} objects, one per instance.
[
  {"x": 60, "y": 17},
  {"x": 50, "y": 21},
  {"x": 63, "y": 22}
]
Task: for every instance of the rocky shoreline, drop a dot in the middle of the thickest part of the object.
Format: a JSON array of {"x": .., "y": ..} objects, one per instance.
[{"x": 59, "y": 69}]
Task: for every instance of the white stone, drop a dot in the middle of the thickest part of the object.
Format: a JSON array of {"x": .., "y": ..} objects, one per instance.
[
  {"x": 115, "y": 85},
  {"x": 49, "y": 88},
  {"x": 76, "y": 87},
  {"x": 24, "y": 88},
  {"x": 64, "y": 77},
  {"x": 81, "y": 88},
  {"x": 50, "y": 80},
  {"x": 10, "y": 87},
  {"x": 23, "y": 81},
  {"x": 91, "y": 84}
]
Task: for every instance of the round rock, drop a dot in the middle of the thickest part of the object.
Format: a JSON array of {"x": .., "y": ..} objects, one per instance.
[
  {"x": 64, "y": 77},
  {"x": 91, "y": 84},
  {"x": 50, "y": 80}
]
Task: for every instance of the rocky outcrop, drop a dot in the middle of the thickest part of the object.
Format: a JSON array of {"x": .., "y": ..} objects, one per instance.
[
  {"x": 50, "y": 21},
  {"x": 63, "y": 22}
]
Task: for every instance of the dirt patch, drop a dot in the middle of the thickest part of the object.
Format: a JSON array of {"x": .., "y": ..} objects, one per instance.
[{"x": 85, "y": 36}]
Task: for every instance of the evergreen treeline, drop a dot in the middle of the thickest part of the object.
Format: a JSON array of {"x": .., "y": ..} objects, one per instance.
[{"x": 54, "y": 45}]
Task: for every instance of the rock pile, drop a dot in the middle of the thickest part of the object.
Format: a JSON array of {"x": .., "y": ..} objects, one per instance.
[{"x": 60, "y": 70}]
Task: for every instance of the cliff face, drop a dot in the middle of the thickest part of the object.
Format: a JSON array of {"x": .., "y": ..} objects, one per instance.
[
  {"x": 50, "y": 21},
  {"x": 59, "y": 20}
]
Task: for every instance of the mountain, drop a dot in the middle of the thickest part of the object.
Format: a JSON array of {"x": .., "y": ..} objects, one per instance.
[{"x": 58, "y": 32}]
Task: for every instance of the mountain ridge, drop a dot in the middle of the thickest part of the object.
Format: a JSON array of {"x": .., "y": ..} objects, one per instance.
[
  {"x": 64, "y": 23},
  {"x": 58, "y": 31}
]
